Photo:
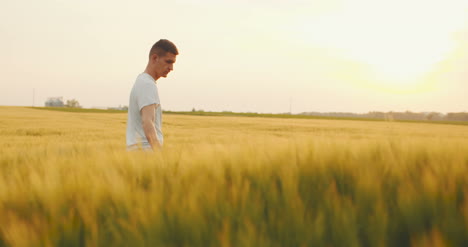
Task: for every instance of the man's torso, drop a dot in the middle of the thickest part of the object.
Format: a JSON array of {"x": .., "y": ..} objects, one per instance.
[{"x": 144, "y": 92}]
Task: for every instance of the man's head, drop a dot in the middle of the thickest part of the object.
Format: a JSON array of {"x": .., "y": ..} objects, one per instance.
[{"x": 162, "y": 57}]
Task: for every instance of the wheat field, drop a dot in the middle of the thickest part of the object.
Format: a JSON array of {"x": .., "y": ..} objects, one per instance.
[{"x": 67, "y": 180}]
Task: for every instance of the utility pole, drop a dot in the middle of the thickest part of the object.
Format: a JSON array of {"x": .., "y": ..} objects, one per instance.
[
  {"x": 34, "y": 96},
  {"x": 290, "y": 105}
]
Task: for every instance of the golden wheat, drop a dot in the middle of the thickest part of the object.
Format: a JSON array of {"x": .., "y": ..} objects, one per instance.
[{"x": 66, "y": 180}]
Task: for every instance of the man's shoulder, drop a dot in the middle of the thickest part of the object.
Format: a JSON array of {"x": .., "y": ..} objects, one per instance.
[
  {"x": 145, "y": 78},
  {"x": 144, "y": 82}
]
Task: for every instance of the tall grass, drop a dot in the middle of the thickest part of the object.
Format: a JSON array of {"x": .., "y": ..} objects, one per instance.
[{"x": 66, "y": 180}]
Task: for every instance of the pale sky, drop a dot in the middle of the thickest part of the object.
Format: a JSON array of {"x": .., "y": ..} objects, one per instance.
[{"x": 242, "y": 56}]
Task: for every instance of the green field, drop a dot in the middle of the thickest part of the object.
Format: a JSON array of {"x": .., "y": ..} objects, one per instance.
[
  {"x": 249, "y": 114},
  {"x": 66, "y": 180}
]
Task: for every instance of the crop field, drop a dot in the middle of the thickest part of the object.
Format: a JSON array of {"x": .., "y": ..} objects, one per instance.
[{"x": 66, "y": 179}]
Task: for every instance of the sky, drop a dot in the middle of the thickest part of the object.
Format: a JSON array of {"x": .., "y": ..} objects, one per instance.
[{"x": 242, "y": 56}]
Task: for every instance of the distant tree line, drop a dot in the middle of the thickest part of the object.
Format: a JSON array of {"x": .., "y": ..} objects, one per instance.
[
  {"x": 58, "y": 102},
  {"x": 119, "y": 108},
  {"x": 407, "y": 115},
  {"x": 73, "y": 103}
]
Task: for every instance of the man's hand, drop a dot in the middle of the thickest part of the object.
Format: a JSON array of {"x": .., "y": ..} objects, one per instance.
[{"x": 147, "y": 118}]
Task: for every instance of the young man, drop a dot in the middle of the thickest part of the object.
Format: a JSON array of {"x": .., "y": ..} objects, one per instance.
[{"x": 144, "y": 108}]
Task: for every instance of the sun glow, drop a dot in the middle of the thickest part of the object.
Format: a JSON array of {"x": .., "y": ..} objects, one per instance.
[{"x": 398, "y": 42}]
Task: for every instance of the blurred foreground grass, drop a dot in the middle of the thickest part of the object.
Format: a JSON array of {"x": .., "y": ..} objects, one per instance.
[{"x": 66, "y": 180}]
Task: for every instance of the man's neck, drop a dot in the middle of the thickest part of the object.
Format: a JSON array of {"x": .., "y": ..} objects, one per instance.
[{"x": 152, "y": 74}]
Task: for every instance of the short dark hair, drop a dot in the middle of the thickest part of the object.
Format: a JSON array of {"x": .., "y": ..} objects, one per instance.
[{"x": 162, "y": 47}]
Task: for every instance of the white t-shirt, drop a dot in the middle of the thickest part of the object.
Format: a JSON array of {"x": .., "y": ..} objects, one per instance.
[{"x": 144, "y": 92}]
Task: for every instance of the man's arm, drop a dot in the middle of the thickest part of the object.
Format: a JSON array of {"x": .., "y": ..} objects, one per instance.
[{"x": 147, "y": 118}]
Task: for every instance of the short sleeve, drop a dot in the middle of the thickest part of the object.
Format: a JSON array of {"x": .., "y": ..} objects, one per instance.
[{"x": 147, "y": 95}]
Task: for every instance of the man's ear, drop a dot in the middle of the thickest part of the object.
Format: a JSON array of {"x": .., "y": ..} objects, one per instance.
[{"x": 154, "y": 57}]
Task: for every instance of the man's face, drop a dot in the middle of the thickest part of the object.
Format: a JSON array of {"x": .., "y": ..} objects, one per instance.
[{"x": 165, "y": 64}]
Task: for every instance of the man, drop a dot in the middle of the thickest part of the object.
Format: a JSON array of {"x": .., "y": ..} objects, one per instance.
[{"x": 144, "y": 109}]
